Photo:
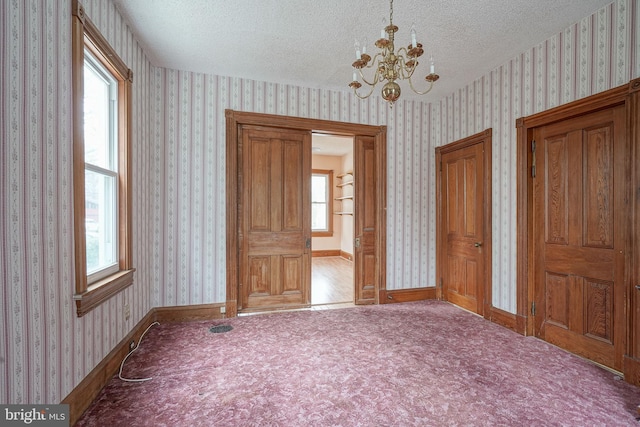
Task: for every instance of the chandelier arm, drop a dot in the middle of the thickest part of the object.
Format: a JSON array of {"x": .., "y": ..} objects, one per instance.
[
  {"x": 404, "y": 71},
  {"x": 373, "y": 60},
  {"x": 375, "y": 78},
  {"x": 418, "y": 92},
  {"x": 411, "y": 72},
  {"x": 355, "y": 91}
]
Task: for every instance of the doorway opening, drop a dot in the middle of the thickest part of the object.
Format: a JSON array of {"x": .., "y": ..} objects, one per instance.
[
  {"x": 268, "y": 230},
  {"x": 332, "y": 215}
]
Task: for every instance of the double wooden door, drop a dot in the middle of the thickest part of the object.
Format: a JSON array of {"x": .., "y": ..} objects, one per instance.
[
  {"x": 273, "y": 236},
  {"x": 580, "y": 231}
]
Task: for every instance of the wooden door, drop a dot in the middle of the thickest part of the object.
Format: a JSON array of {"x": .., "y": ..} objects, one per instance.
[
  {"x": 365, "y": 224},
  {"x": 462, "y": 198},
  {"x": 580, "y": 228},
  {"x": 275, "y": 218}
]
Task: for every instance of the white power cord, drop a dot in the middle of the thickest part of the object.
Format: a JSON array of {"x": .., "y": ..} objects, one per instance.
[{"x": 135, "y": 380}]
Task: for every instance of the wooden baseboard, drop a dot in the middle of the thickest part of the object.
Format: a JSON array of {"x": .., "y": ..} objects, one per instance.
[
  {"x": 503, "y": 318},
  {"x": 346, "y": 255},
  {"x": 631, "y": 370},
  {"x": 85, "y": 393},
  {"x": 332, "y": 252},
  {"x": 407, "y": 295},
  {"x": 186, "y": 313},
  {"x": 327, "y": 252}
]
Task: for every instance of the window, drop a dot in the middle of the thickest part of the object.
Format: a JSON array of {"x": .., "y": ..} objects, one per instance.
[
  {"x": 101, "y": 177},
  {"x": 321, "y": 203},
  {"x": 100, "y": 169}
]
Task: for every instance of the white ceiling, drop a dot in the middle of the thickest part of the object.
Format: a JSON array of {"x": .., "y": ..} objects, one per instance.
[
  {"x": 310, "y": 42},
  {"x": 331, "y": 145}
]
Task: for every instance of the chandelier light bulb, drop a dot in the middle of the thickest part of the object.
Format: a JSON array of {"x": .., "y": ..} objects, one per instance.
[
  {"x": 357, "y": 47},
  {"x": 364, "y": 45},
  {"x": 413, "y": 35},
  {"x": 383, "y": 32}
]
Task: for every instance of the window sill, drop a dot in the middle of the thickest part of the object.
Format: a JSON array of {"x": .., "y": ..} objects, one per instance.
[{"x": 99, "y": 292}]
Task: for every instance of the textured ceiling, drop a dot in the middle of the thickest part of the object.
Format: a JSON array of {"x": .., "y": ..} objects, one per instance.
[{"x": 310, "y": 43}]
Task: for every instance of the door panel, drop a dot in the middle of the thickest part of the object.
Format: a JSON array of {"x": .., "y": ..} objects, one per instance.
[
  {"x": 462, "y": 192},
  {"x": 275, "y": 218},
  {"x": 579, "y": 206},
  {"x": 365, "y": 225}
]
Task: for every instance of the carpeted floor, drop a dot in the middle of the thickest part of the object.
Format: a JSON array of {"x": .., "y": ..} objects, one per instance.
[{"x": 413, "y": 364}]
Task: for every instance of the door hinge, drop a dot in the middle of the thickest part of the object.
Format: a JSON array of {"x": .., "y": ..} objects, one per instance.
[
  {"x": 533, "y": 308},
  {"x": 533, "y": 158},
  {"x": 308, "y": 243},
  {"x": 441, "y": 283}
]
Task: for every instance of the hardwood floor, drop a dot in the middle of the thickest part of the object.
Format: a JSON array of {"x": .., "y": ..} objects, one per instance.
[
  {"x": 331, "y": 285},
  {"x": 331, "y": 281}
]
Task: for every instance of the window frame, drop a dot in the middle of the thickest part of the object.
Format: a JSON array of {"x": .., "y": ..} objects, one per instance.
[
  {"x": 89, "y": 295},
  {"x": 329, "y": 174}
]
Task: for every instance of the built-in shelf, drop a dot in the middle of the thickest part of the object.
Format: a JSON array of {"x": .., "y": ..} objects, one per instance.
[{"x": 347, "y": 179}]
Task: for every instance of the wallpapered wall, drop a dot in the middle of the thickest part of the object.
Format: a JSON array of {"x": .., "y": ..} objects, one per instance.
[
  {"x": 45, "y": 350},
  {"x": 189, "y": 138},
  {"x": 179, "y": 203},
  {"x": 598, "y": 53}
]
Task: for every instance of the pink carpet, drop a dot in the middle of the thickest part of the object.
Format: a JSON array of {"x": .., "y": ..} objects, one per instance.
[{"x": 412, "y": 364}]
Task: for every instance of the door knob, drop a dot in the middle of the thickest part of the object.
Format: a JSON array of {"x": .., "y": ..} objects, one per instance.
[{"x": 477, "y": 244}]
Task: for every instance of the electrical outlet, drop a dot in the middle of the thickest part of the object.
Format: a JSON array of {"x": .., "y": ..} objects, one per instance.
[
  {"x": 223, "y": 310},
  {"x": 127, "y": 312},
  {"x": 132, "y": 345}
]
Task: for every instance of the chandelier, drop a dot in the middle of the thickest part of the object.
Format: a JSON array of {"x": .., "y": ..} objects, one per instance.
[{"x": 390, "y": 65}]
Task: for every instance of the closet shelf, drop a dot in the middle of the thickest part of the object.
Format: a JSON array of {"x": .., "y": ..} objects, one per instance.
[{"x": 347, "y": 180}]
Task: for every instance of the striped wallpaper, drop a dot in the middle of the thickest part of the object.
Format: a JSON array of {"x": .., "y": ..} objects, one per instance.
[
  {"x": 178, "y": 174},
  {"x": 45, "y": 350},
  {"x": 600, "y": 52}
]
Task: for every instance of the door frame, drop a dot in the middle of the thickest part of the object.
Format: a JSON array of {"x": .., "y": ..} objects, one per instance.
[
  {"x": 484, "y": 138},
  {"x": 234, "y": 121},
  {"x": 629, "y": 96}
]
